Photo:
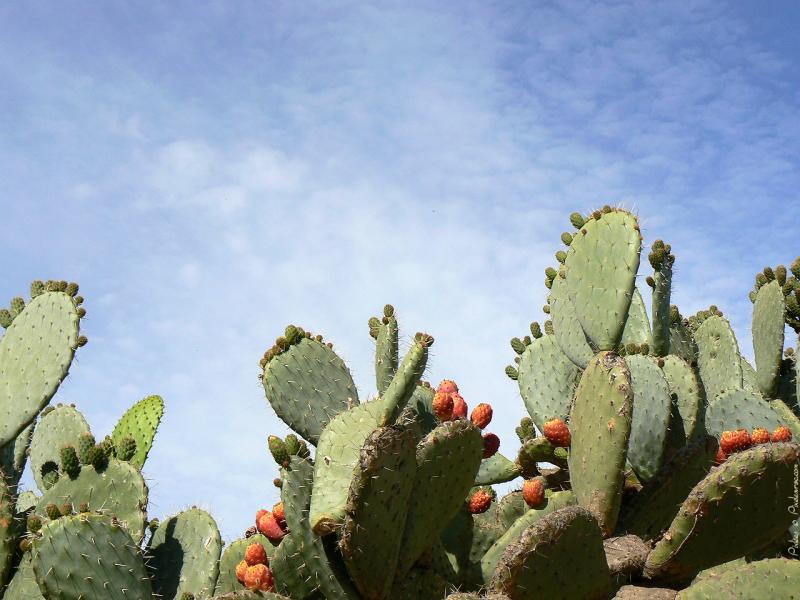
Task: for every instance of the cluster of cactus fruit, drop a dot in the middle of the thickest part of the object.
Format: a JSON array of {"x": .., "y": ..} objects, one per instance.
[{"x": 655, "y": 460}]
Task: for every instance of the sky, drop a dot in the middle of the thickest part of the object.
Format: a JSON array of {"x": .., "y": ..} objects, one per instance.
[{"x": 210, "y": 172}]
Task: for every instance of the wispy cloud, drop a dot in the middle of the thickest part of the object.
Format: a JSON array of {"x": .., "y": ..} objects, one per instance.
[{"x": 210, "y": 176}]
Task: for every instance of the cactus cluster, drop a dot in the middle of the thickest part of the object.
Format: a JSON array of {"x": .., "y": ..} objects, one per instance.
[{"x": 655, "y": 461}]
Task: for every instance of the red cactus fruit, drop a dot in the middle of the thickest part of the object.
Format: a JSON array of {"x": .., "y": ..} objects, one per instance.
[
  {"x": 735, "y": 441},
  {"x": 491, "y": 444},
  {"x": 443, "y": 406},
  {"x": 448, "y": 386},
  {"x": 782, "y": 434},
  {"x": 480, "y": 501},
  {"x": 721, "y": 457},
  {"x": 760, "y": 436},
  {"x": 533, "y": 492},
  {"x": 481, "y": 415},
  {"x": 241, "y": 568},
  {"x": 268, "y": 526},
  {"x": 259, "y": 514},
  {"x": 280, "y": 514},
  {"x": 557, "y": 433},
  {"x": 459, "y": 406},
  {"x": 258, "y": 577},
  {"x": 255, "y": 555}
]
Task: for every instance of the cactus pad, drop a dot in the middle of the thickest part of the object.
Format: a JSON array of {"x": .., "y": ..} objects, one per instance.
[
  {"x": 687, "y": 394},
  {"x": 336, "y": 458},
  {"x": 14, "y": 455},
  {"x": 376, "y": 510},
  {"x": 718, "y": 358},
  {"x": 447, "y": 462},
  {"x": 496, "y": 469},
  {"x": 768, "y": 324},
  {"x": 566, "y": 328},
  {"x": 637, "y": 325},
  {"x": 600, "y": 424},
  {"x": 23, "y": 586},
  {"x": 771, "y": 578},
  {"x": 57, "y": 428},
  {"x": 233, "y": 555},
  {"x": 740, "y": 409},
  {"x": 183, "y": 555},
  {"x": 291, "y": 571},
  {"x": 745, "y": 502},
  {"x": 89, "y": 556},
  {"x": 306, "y": 555},
  {"x": 386, "y": 351},
  {"x": 140, "y": 422},
  {"x": 553, "y": 502},
  {"x": 547, "y": 380},
  {"x": 8, "y": 531},
  {"x": 307, "y": 386},
  {"x": 35, "y": 354},
  {"x": 652, "y": 406},
  {"x": 541, "y": 563},
  {"x": 118, "y": 490},
  {"x": 601, "y": 267}
]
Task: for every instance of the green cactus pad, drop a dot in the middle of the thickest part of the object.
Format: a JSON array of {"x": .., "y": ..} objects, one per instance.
[
  {"x": 740, "y": 409},
  {"x": 718, "y": 358},
  {"x": 386, "y": 356},
  {"x": 541, "y": 562},
  {"x": 651, "y": 511},
  {"x": 566, "y": 328},
  {"x": 183, "y": 555},
  {"x": 9, "y": 529},
  {"x": 637, "y": 325},
  {"x": 662, "y": 290},
  {"x": 89, "y": 556},
  {"x": 290, "y": 570},
  {"x": 59, "y": 427},
  {"x": 336, "y": 458},
  {"x": 306, "y": 554},
  {"x": 140, "y": 422},
  {"x": 35, "y": 355},
  {"x": 749, "y": 377},
  {"x": 23, "y": 585},
  {"x": 447, "y": 462},
  {"x": 681, "y": 342},
  {"x": 652, "y": 406},
  {"x": 601, "y": 267},
  {"x": 787, "y": 416},
  {"x": 233, "y": 555},
  {"x": 510, "y": 508},
  {"x": 768, "y": 324},
  {"x": 771, "y": 578},
  {"x": 14, "y": 455},
  {"x": 422, "y": 402},
  {"x": 376, "y": 510},
  {"x": 496, "y": 469},
  {"x": 405, "y": 381},
  {"x": 553, "y": 502},
  {"x": 687, "y": 395},
  {"x": 307, "y": 386},
  {"x": 118, "y": 490},
  {"x": 547, "y": 380},
  {"x": 601, "y": 424},
  {"x": 736, "y": 509}
]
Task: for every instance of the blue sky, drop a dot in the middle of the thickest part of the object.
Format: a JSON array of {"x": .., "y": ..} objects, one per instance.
[{"x": 212, "y": 171}]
